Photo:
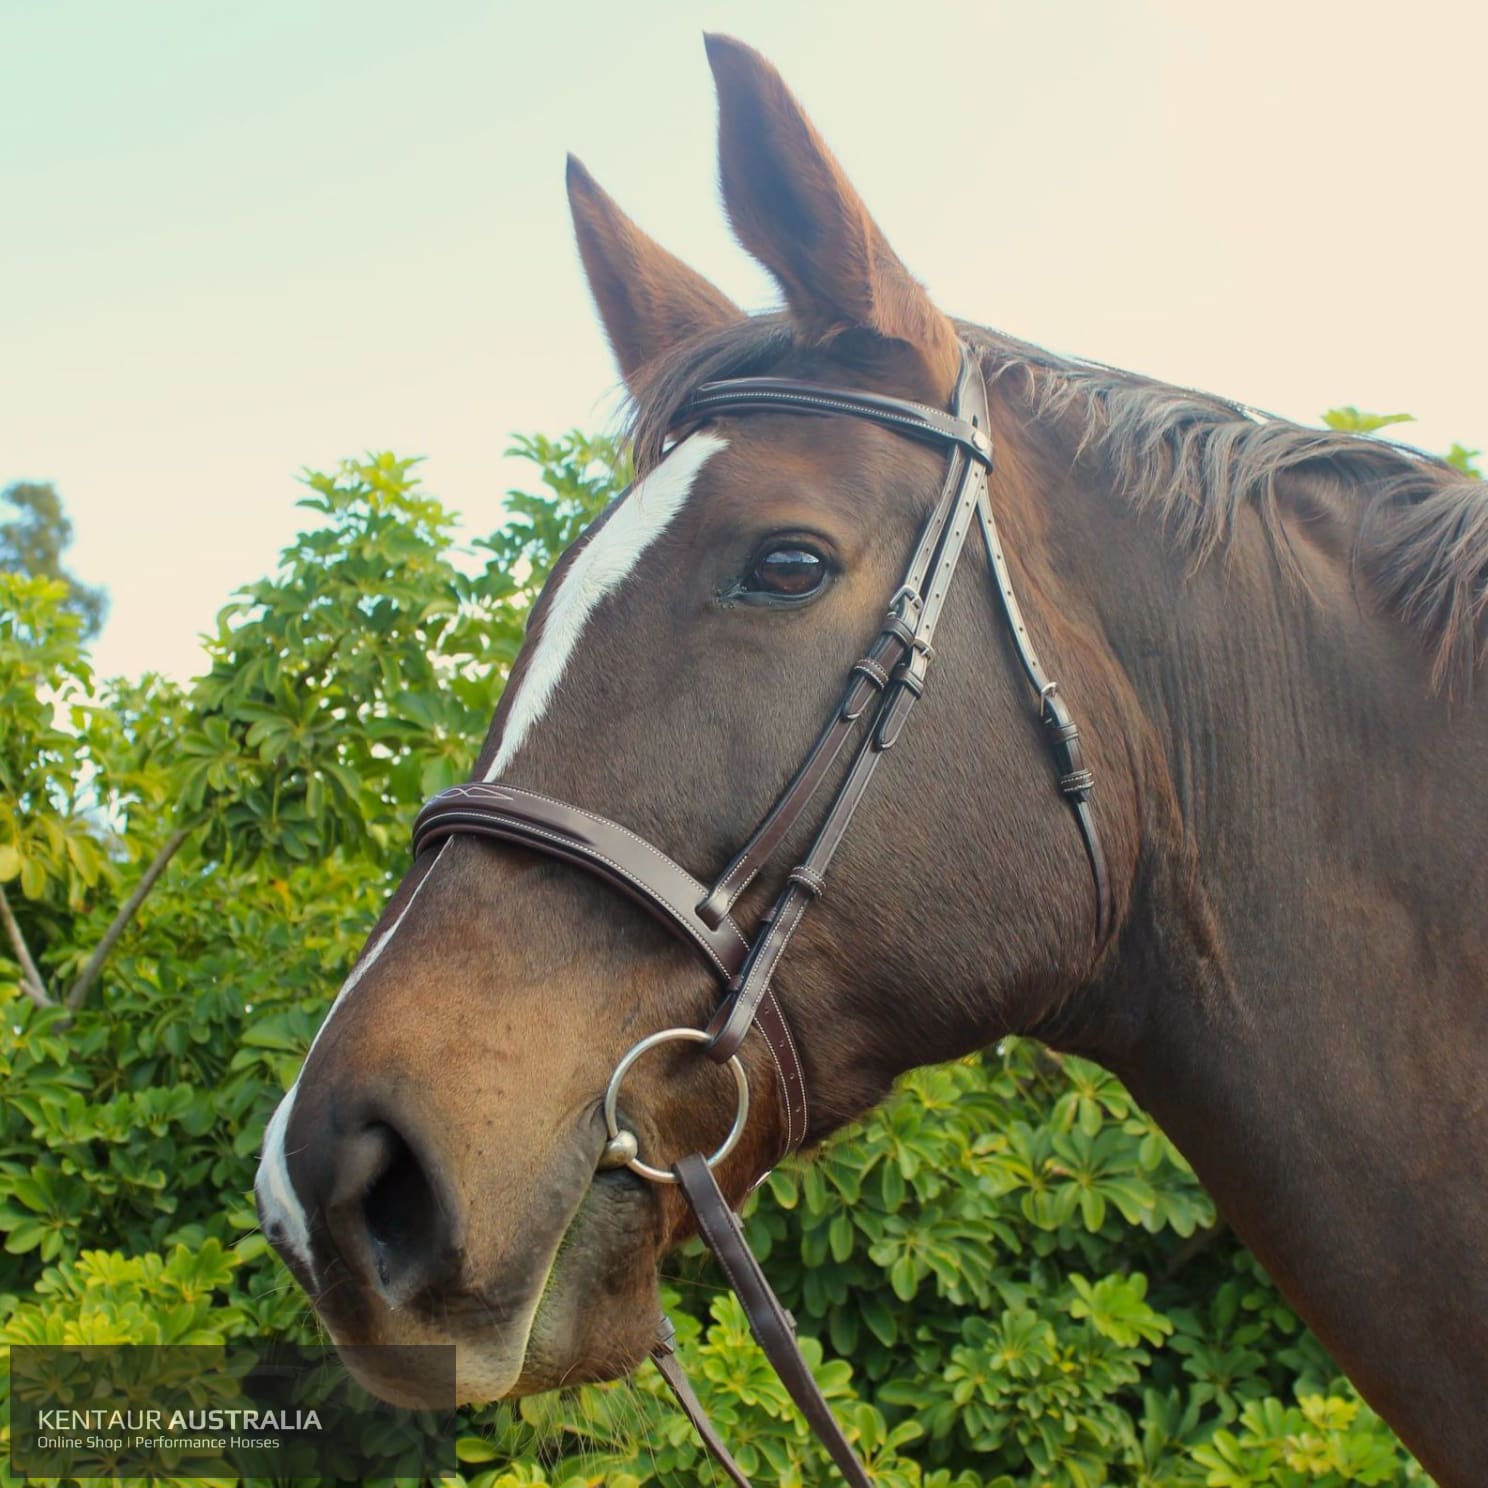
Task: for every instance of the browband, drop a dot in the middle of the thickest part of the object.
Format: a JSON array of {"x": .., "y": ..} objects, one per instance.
[{"x": 743, "y": 395}]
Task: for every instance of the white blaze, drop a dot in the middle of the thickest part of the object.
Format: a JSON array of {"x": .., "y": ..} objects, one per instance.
[{"x": 602, "y": 567}]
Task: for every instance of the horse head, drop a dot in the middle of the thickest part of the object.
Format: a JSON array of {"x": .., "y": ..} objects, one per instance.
[{"x": 436, "y": 1175}]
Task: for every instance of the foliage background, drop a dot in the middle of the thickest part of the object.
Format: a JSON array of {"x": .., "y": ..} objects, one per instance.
[{"x": 1014, "y": 1278}]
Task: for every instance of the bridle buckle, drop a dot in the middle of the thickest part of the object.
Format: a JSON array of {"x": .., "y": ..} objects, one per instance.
[{"x": 905, "y": 606}]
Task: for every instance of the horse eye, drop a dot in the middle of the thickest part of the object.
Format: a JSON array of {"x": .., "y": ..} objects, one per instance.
[{"x": 792, "y": 572}]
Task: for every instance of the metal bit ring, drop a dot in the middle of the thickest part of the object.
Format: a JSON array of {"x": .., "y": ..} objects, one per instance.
[{"x": 625, "y": 1151}]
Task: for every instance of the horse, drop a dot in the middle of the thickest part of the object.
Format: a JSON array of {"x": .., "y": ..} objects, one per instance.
[{"x": 1270, "y": 635}]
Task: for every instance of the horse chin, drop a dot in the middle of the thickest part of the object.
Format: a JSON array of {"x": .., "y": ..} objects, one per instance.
[{"x": 598, "y": 1313}]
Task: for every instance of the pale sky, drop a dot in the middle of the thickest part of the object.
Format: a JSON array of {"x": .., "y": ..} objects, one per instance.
[{"x": 242, "y": 239}]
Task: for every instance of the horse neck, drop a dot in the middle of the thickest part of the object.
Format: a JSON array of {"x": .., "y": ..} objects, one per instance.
[{"x": 1298, "y": 994}]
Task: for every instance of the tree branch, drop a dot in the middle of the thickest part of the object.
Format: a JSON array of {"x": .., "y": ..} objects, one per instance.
[
  {"x": 127, "y": 912},
  {"x": 31, "y": 982},
  {"x": 312, "y": 672}
]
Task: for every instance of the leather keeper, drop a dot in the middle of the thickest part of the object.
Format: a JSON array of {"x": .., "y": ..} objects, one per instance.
[{"x": 895, "y": 715}]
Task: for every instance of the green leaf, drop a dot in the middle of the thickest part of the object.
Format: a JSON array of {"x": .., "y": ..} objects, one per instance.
[
  {"x": 840, "y": 1237},
  {"x": 33, "y": 878},
  {"x": 26, "y": 1236},
  {"x": 476, "y": 1449},
  {"x": 904, "y": 1279},
  {"x": 1464, "y": 459},
  {"x": 1351, "y": 420},
  {"x": 879, "y": 1318}
]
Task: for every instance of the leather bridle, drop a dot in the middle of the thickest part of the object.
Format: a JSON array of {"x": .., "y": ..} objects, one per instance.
[{"x": 882, "y": 689}]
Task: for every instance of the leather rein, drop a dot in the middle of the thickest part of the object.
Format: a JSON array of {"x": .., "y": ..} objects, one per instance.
[{"x": 882, "y": 689}]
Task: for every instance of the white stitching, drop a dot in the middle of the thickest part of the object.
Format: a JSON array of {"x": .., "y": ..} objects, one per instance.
[
  {"x": 781, "y": 1080},
  {"x": 529, "y": 830},
  {"x": 791, "y": 927},
  {"x": 790, "y": 1041},
  {"x": 603, "y": 821}
]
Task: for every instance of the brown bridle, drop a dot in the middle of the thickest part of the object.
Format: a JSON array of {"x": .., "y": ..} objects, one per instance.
[{"x": 882, "y": 690}]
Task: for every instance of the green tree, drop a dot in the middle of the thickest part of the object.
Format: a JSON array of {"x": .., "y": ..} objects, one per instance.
[{"x": 33, "y": 539}]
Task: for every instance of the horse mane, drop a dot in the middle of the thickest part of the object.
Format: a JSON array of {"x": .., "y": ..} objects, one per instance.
[{"x": 1196, "y": 461}]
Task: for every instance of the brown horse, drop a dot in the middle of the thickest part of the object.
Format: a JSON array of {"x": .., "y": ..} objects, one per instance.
[{"x": 1271, "y": 635}]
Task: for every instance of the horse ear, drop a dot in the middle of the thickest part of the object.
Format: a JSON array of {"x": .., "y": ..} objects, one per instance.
[
  {"x": 648, "y": 299},
  {"x": 793, "y": 208}
]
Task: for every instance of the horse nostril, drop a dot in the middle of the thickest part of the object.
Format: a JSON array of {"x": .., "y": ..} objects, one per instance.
[
  {"x": 386, "y": 1216},
  {"x": 401, "y": 1213}
]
